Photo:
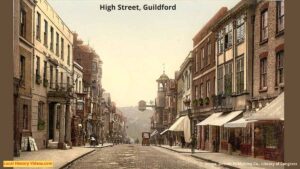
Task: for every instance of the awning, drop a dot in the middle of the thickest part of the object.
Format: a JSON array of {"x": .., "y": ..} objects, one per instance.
[
  {"x": 240, "y": 123},
  {"x": 154, "y": 133},
  {"x": 224, "y": 118},
  {"x": 209, "y": 119},
  {"x": 183, "y": 124},
  {"x": 272, "y": 111},
  {"x": 164, "y": 131}
]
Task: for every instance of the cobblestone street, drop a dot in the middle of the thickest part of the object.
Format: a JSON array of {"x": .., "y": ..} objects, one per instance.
[{"x": 138, "y": 157}]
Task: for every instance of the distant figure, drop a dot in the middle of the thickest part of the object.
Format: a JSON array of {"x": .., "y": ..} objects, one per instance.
[
  {"x": 182, "y": 141},
  {"x": 193, "y": 144},
  {"x": 171, "y": 140}
]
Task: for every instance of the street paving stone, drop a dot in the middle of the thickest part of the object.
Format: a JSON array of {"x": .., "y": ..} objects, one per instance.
[{"x": 139, "y": 157}]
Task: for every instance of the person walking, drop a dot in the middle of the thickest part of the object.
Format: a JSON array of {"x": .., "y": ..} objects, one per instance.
[{"x": 193, "y": 144}]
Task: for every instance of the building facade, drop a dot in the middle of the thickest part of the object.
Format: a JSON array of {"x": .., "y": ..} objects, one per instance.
[
  {"x": 22, "y": 59},
  {"x": 52, "y": 79},
  {"x": 268, "y": 77},
  {"x": 203, "y": 87},
  {"x": 87, "y": 57}
]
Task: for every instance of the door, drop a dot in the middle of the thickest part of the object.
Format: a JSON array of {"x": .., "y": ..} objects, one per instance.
[{"x": 51, "y": 121}]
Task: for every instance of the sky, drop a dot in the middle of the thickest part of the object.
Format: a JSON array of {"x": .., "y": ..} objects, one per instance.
[{"x": 134, "y": 45}]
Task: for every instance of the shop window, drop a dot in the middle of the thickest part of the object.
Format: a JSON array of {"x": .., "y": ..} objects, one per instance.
[{"x": 271, "y": 138}]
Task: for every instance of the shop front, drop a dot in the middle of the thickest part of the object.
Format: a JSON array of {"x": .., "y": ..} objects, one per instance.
[{"x": 269, "y": 130}]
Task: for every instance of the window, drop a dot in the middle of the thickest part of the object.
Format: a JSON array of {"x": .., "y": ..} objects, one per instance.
[
  {"x": 201, "y": 90},
  {"x": 220, "y": 80},
  {"x": 197, "y": 60},
  {"x": 202, "y": 64},
  {"x": 68, "y": 81},
  {"x": 37, "y": 73},
  {"x": 240, "y": 75},
  {"x": 61, "y": 79},
  {"x": 68, "y": 59},
  {"x": 263, "y": 73},
  {"x": 220, "y": 42},
  {"x": 46, "y": 33},
  {"x": 279, "y": 68},
  {"x": 40, "y": 111},
  {"x": 38, "y": 26},
  {"x": 208, "y": 88},
  {"x": 56, "y": 78},
  {"x": 264, "y": 25},
  {"x": 228, "y": 36},
  {"x": 22, "y": 69},
  {"x": 240, "y": 29},
  {"x": 45, "y": 70},
  {"x": 80, "y": 87},
  {"x": 196, "y": 92},
  {"x": 62, "y": 49},
  {"x": 228, "y": 78},
  {"x": 57, "y": 44},
  {"x": 23, "y": 23},
  {"x": 94, "y": 67},
  {"x": 79, "y": 106},
  {"x": 51, "y": 38},
  {"x": 208, "y": 53},
  {"x": 25, "y": 116},
  {"x": 51, "y": 76},
  {"x": 280, "y": 16}
]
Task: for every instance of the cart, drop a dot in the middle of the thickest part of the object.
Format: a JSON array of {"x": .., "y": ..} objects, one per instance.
[{"x": 146, "y": 138}]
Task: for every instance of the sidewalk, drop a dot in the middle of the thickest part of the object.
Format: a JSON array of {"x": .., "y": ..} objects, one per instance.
[
  {"x": 226, "y": 160},
  {"x": 234, "y": 161},
  {"x": 60, "y": 158}
]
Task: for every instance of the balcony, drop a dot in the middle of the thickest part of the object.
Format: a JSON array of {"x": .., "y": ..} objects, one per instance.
[
  {"x": 61, "y": 92},
  {"x": 222, "y": 103}
]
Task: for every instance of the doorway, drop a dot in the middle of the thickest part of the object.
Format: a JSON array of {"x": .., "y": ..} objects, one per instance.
[{"x": 51, "y": 121}]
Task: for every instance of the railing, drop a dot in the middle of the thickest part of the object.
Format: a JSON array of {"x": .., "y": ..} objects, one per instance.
[
  {"x": 63, "y": 87},
  {"x": 222, "y": 102}
]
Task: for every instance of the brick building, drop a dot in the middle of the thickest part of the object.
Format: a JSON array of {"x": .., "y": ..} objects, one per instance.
[
  {"x": 268, "y": 77},
  {"x": 203, "y": 86},
  {"x": 86, "y": 57}
]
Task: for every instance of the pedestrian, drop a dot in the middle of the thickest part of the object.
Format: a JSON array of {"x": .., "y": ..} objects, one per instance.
[
  {"x": 182, "y": 141},
  {"x": 193, "y": 144},
  {"x": 171, "y": 140}
]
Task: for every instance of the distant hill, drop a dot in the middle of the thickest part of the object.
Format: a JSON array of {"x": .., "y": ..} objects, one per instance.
[{"x": 137, "y": 121}]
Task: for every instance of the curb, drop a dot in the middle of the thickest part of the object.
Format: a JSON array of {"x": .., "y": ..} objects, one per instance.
[
  {"x": 70, "y": 162},
  {"x": 178, "y": 151},
  {"x": 211, "y": 161}
]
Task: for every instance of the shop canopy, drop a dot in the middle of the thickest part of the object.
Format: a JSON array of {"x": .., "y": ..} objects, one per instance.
[
  {"x": 240, "y": 123},
  {"x": 183, "y": 124},
  {"x": 272, "y": 111},
  {"x": 164, "y": 132},
  {"x": 154, "y": 133},
  {"x": 209, "y": 119},
  {"x": 224, "y": 118}
]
